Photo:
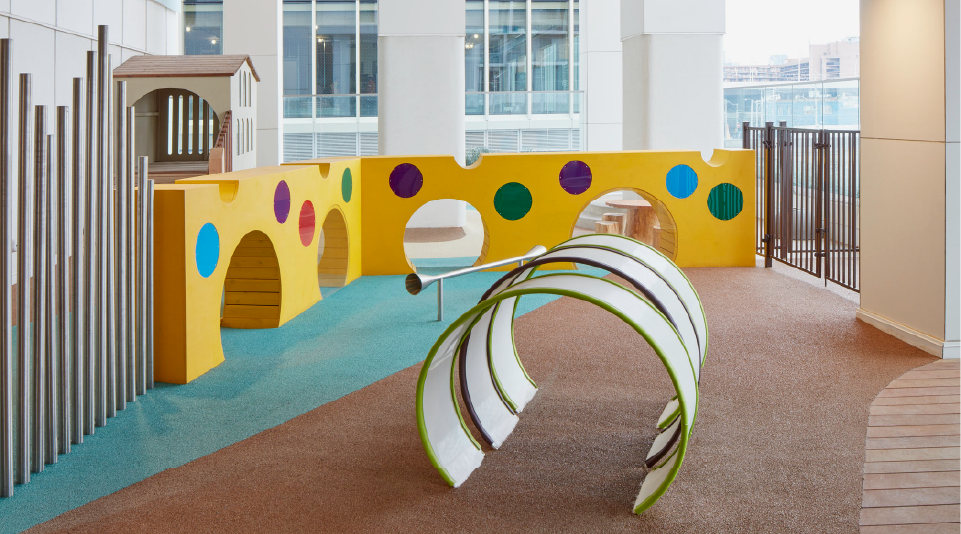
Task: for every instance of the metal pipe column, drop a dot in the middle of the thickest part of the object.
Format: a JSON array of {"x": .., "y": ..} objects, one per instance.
[
  {"x": 39, "y": 286},
  {"x": 49, "y": 337},
  {"x": 149, "y": 301},
  {"x": 91, "y": 302},
  {"x": 63, "y": 289},
  {"x": 6, "y": 293},
  {"x": 131, "y": 334},
  {"x": 106, "y": 399},
  {"x": 77, "y": 274},
  {"x": 141, "y": 265},
  {"x": 118, "y": 278},
  {"x": 24, "y": 236}
]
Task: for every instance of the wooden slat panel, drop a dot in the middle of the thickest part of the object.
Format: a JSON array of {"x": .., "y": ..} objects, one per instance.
[
  {"x": 258, "y": 312},
  {"x": 251, "y": 252},
  {"x": 241, "y": 284},
  {"x": 253, "y": 261},
  {"x": 248, "y": 322},
  {"x": 261, "y": 273},
  {"x": 253, "y": 298}
]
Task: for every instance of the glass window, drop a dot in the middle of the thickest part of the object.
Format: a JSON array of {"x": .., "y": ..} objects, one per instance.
[
  {"x": 336, "y": 42},
  {"x": 508, "y": 56},
  {"x": 550, "y": 53},
  {"x": 203, "y": 27},
  {"x": 474, "y": 57},
  {"x": 576, "y": 60},
  {"x": 368, "y": 57},
  {"x": 297, "y": 52}
]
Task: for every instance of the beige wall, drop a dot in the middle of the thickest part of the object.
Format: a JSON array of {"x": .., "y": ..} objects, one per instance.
[{"x": 903, "y": 165}]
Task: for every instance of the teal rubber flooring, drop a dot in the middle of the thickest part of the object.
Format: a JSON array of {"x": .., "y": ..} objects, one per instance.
[{"x": 356, "y": 336}]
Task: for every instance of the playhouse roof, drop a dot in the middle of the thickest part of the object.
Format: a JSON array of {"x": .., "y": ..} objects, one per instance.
[{"x": 182, "y": 66}]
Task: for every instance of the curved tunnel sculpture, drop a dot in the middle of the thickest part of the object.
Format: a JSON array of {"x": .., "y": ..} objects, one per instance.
[{"x": 660, "y": 304}]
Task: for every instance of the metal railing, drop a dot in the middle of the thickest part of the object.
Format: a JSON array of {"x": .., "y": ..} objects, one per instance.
[
  {"x": 808, "y": 199},
  {"x": 415, "y": 283}
]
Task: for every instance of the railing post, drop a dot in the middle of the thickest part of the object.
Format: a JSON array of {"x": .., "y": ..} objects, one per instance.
[
  {"x": 745, "y": 138},
  {"x": 768, "y": 194},
  {"x": 820, "y": 227},
  {"x": 440, "y": 300}
]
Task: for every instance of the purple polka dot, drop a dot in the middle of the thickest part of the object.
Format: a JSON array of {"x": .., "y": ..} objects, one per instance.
[
  {"x": 282, "y": 202},
  {"x": 406, "y": 180},
  {"x": 575, "y": 177}
]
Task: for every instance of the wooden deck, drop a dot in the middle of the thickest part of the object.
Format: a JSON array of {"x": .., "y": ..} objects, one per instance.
[{"x": 912, "y": 470}]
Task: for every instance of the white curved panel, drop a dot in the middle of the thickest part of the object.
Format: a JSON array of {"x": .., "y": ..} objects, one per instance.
[
  {"x": 488, "y": 410},
  {"x": 665, "y": 267},
  {"x": 510, "y": 376}
]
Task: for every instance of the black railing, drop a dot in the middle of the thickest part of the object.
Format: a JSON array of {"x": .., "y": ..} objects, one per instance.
[{"x": 808, "y": 199}]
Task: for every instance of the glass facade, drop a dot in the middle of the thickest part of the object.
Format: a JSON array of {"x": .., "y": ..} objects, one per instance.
[
  {"x": 203, "y": 27},
  {"x": 831, "y": 104}
]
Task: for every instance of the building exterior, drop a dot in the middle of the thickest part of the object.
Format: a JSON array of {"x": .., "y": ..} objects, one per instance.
[{"x": 838, "y": 59}]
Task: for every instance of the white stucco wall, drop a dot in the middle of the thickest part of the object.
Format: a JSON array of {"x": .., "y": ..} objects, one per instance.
[{"x": 600, "y": 74}]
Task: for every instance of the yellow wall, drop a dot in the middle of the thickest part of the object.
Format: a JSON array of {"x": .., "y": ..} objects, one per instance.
[{"x": 703, "y": 240}]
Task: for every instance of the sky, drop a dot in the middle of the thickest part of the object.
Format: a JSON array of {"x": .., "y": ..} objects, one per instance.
[{"x": 758, "y": 29}]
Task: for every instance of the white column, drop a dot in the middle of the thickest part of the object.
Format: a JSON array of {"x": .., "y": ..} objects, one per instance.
[
  {"x": 911, "y": 168},
  {"x": 420, "y": 58},
  {"x": 255, "y": 28},
  {"x": 600, "y": 74},
  {"x": 673, "y": 62}
]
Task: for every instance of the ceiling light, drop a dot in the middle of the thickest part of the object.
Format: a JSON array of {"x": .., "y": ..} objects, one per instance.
[
  {"x": 188, "y": 28},
  {"x": 213, "y": 41}
]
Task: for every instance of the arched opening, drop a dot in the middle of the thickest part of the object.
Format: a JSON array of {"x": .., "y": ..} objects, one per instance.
[
  {"x": 175, "y": 129},
  {"x": 333, "y": 248},
  {"x": 252, "y": 288},
  {"x": 438, "y": 239},
  {"x": 631, "y": 212}
]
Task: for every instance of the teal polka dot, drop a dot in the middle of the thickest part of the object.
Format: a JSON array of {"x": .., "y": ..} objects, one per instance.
[
  {"x": 512, "y": 201},
  {"x": 347, "y": 185},
  {"x": 207, "y": 251},
  {"x": 725, "y": 201}
]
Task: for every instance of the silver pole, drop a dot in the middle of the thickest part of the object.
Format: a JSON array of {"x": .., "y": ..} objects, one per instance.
[
  {"x": 149, "y": 301},
  {"x": 118, "y": 280},
  {"x": 39, "y": 285},
  {"x": 77, "y": 274},
  {"x": 6, "y": 294},
  {"x": 141, "y": 265},
  {"x": 63, "y": 276},
  {"x": 130, "y": 247},
  {"x": 440, "y": 300},
  {"x": 24, "y": 235},
  {"x": 90, "y": 301},
  {"x": 106, "y": 401},
  {"x": 49, "y": 338}
]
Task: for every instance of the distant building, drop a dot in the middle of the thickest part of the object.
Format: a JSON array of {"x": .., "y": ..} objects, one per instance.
[{"x": 839, "y": 59}]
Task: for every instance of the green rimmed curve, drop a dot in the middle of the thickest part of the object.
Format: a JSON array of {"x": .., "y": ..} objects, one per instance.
[{"x": 494, "y": 299}]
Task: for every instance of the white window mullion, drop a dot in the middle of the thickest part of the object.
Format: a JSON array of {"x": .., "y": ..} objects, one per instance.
[
  {"x": 530, "y": 62},
  {"x": 487, "y": 64}
]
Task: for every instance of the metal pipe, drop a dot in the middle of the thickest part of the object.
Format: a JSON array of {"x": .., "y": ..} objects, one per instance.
[
  {"x": 118, "y": 279},
  {"x": 141, "y": 276},
  {"x": 415, "y": 283},
  {"x": 24, "y": 235},
  {"x": 131, "y": 334},
  {"x": 6, "y": 293},
  {"x": 63, "y": 276},
  {"x": 77, "y": 274},
  {"x": 106, "y": 400},
  {"x": 91, "y": 257},
  {"x": 149, "y": 289},
  {"x": 38, "y": 309},
  {"x": 49, "y": 338},
  {"x": 440, "y": 300}
]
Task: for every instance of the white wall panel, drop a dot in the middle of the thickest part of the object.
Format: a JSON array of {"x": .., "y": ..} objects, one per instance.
[
  {"x": 71, "y": 56},
  {"x": 4, "y": 27},
  {"x": 76, "y": 15},
  {"x": 34, "y": 53},
  {"x": 174, "y": 37},
  {"x": 135, "y": 23},
  {"x": 39, "y": 10},
  {"x": 109, "y": 12},
  {"x": 156, "y": 38}
]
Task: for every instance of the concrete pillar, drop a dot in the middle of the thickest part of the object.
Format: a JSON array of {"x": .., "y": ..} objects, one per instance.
[
  {"x": 600, "y": 74},
  {"x": 673, "y": 63},
  {"x": 255, "y": 28},
  {"x": 911, "y": 169},
  {"x": 420, "y": 58}
]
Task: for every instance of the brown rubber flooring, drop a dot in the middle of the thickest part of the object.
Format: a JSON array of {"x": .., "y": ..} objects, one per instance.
[{"x": 778, "y": 445}]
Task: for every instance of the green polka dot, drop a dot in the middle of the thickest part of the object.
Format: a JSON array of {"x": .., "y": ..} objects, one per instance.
[
  {"x": 725, "y": 201},
  {"x": 512, "y": 201},
  {"x": 347, "y": 185}
]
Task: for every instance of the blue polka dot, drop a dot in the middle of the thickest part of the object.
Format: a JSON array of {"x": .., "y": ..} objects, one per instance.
[
  {"x": 208, "y": 250},
  {"x": 681, "y": 181}
]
